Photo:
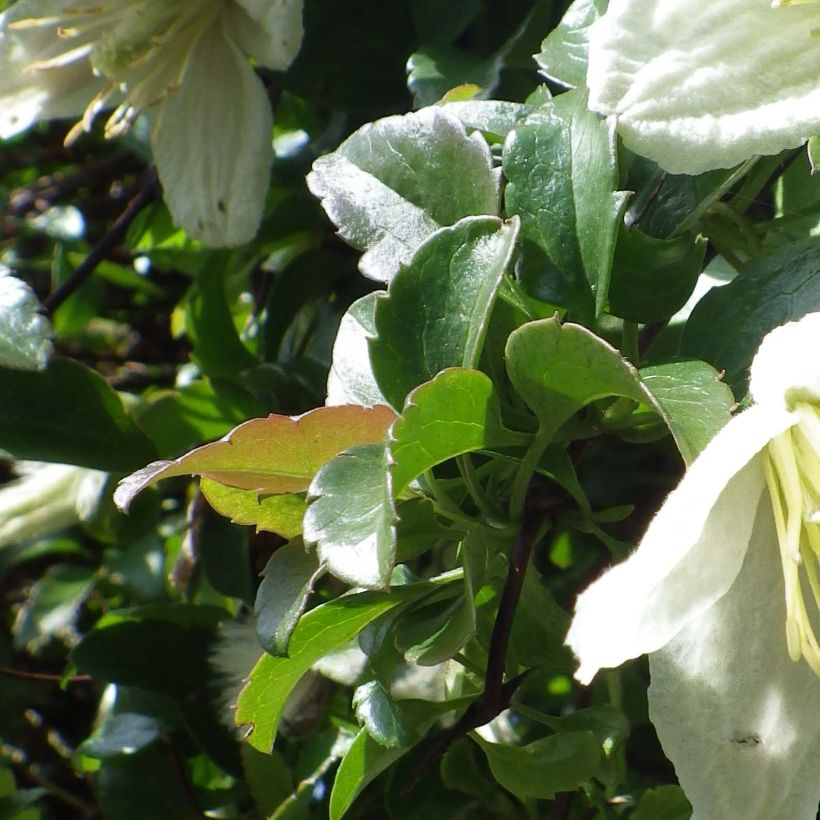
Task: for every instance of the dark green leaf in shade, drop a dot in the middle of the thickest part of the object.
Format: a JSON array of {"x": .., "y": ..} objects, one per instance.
[
  {"x": 562, "y": 172},
  {"x": 223, "y": 554},
  {"x": 268, "y": 776},
  {"x": 653, "y": 278},
  {"x": 563, "y": 56},
  {"x": 557, "y": 763},
  {"x": 539, "y": 628},
  {"x": 558, "y": 369},
  {"x": 351, "y": 517},
  {"x": 281, "y": 514},
  {"x": 663, "y": 803},
  {"x": 68, "y": 413},
  {"x": 417, "y": 529},
  {"x": 436, "y": 312},
  {"x": 396, "y": 181},
  {"x": 287, "y": 581},
  {"x": 431, "y": 73},
  {"x": 351, "y": 379},
  {"x": 728, "y": 324},
  {"x": 695, "y": 403},
  {"x": 457, "y": 412},
  {"x": 122, "y": 733},
  {"x": 366, "y": 759},
  {"x": 319, "y": 632},
  {"x": 379, "y": 714},
  {"x": 460, "y": 771}
]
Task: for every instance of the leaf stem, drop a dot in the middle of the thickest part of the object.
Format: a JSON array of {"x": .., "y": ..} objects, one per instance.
[
  {"x": 521, "y": 483},
  {"x": 629, "y": 342}
]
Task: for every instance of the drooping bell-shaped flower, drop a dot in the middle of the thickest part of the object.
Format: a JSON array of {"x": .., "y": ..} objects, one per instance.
[
  {"x": 184, "y": 63},
  {"x": 702, "y": 84},
  {"x": 723, "y": 594}
]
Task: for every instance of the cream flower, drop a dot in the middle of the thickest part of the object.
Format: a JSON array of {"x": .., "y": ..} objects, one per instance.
[
  {"x": 701, "y": 84},
  {"x": 25, "y": 334},
  {"x": 184, "y": 63},
  {"x": 723, "y": 591}
]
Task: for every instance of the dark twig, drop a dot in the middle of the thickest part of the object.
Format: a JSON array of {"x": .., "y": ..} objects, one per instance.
[
  {"x": 497, "y": 692},
  {"x": 144, "y": 197},
  {"x": 20, "y": 673}
]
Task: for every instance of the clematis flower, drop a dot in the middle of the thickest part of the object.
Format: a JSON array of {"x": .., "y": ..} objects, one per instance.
[
  {"x": 184, "y": 63},
  {"x": 723, "y": 592},
  {"x": 701, "y": 84}
]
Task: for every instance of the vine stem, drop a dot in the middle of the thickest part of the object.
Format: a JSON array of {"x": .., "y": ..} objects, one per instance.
[{"x": 115, "y": 235}]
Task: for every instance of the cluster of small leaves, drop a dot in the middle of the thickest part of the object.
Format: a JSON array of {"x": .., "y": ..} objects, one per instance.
[{"x": 448, "y": 383}]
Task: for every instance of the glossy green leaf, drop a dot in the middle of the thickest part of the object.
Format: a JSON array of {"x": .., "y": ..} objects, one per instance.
[
  {"x": 436, "y": 311},
  {"x": 457, "y": 412},
  {"x": 695, "y": 403},
  {"x": 494, "y": 118},
  {"x": 563, "y": 174},
  {"x": 287, "y": 581},
  {"x": 557, "y": 763},
  {"x": 320, "y": 631},
  {"x": 379, "y": 714},
  {"x": 727, "y": 325},
  {"x": 273, "y": 455},
  {"x": 396, "y": 181},
  {"x": 281, "y": 514},
  {"x": 123, "y": 733},
  {"x": 653, "y": 278},
  {"x": 351, "y": 517},
  {"x": 558, "y": 369},
  {"x": 68, "y": 413},
  {"x": 351, "y": 379},
  {"x": 563, "y": 55}
]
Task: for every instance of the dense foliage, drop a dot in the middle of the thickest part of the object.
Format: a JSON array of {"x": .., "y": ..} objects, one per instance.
[{"x": 473, "y": 344}]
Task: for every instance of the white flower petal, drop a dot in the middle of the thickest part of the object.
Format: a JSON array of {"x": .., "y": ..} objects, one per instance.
[
  {"x": 786, "y": 365},
  {"x": 27, "y": 95},
  {"x": 702, "y": 84},
  {"x": 690, "y": 555},
  {"x": 737, "y": 718},
  {"x": 269, "y": 30},
  {"x": 25, "y": 334},
  {"x": 213, "y": 145}
]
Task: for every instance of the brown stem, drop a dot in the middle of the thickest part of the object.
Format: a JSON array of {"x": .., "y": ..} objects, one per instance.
[{"x": 43, "y": 676}]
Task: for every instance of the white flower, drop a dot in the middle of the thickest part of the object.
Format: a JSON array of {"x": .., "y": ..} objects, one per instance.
[
  {"x": 25, "y": 334},
  {"x": 184, "y": 63},
  {"x": 707, "y": 84},
  {"x": 723, "y": 592},
  {"x": 47, "y": 498}
]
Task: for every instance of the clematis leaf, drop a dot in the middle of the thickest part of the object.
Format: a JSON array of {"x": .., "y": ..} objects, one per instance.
[
  {"x": 396, "y": 181},
  {"x": 563, "y": 175},
  {"x": 351, "y": 517},
  {"x": 319, "y": 632},
  {"x": 436, "y": 311},
  {"x": 726, "y": 326},
  {"x": 457, "y": 412},
  {"x": 273, "y": 455},
  {"x": 563, "y": 55},
  {"x": 379, "y": 715},
  {"x": 494, "y": 118},
  {"x": 694, "y": 402}
]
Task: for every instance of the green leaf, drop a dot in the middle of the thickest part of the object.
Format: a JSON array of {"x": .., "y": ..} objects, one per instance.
[
  {"x": 436, "y": 311},
  {"x": 318, "y": 632},
  {"x": 68, "y": 413},
  {"x": 273, "y": 455},
  {"x": 222, "y": 551},
  {"x": 494, "y": 118},
  {"x": 457, "y": 412},
  {"x": 653, "y": 278},
  {"x": 728, "y": 324},
  {"x": 351, "y": 517},
  {"x": 366, "y": 759},
  {"x": 379, "y": 715},
  {"x": 123, "y": 733},
  {"x": 268, "y": 777},
  {"x": 563, "y": 56},
  {"x": 557, "y": 763},
  {"x": 558, "y": 369},
  {"x": 813, "y": 149},
  {"x": 562, "y": 171},
  {"x": 431, "y": 73},
  {"x": 695, "y": 403},
  {"x": 417, "y": 529},
  {"x": 281, "y": 514},
  {"x": 25, "y": 334},
  {"x": 287, "y": 581},
  {"x": 396, "y": 181},
  {"x": 351, "y": 379},
  {"x": 663, "y": 803}
]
